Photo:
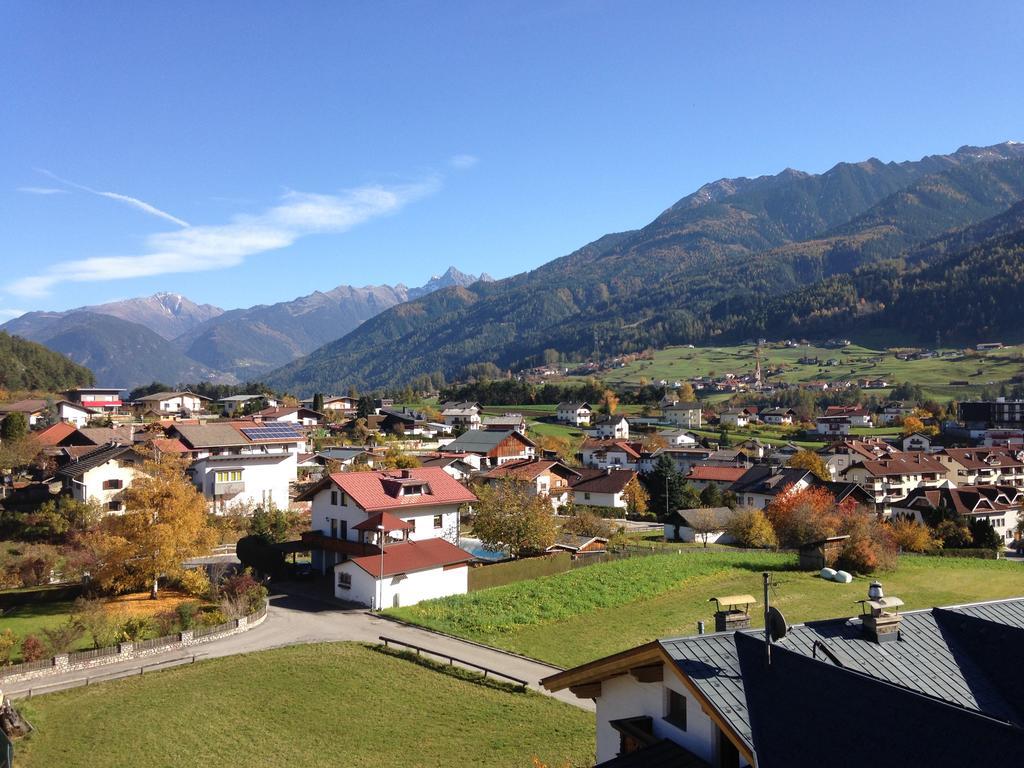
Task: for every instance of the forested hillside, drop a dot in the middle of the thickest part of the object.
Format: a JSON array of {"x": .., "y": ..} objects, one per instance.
[{"x": 27, "y": 365}]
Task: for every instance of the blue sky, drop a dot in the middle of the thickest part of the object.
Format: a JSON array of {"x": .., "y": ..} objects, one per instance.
[{"x": 252, "y": 152}]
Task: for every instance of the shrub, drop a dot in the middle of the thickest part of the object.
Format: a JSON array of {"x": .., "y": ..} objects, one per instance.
[
  {"x": 583, "y": 522},
  {"x": 954, "y": 534},
  {"x": 984, "y": 535},
  {"x": 195, "y": 582},
  {"x": 870, "y": 547},
  {"x": 134, "y": 629},
  {"x": 241, "y": 595},
  {"x": 62, "y": 638},
  {"x": 7, "y": 643},
  {"x": 209, "y": 618},
  {"x": 96, "y": 621},
  {"x": 912, "y": 536},
  {"x": 32, "y": 648},
  {"x": 187, "y": 614},
  {"x": 751, "y": 528},
  {"x": 166, "y": 623}
]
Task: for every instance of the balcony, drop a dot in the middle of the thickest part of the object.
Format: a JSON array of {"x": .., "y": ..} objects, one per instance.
[
  {"x": 228, "y": 489},
  {"x": 318, "y": 540}
]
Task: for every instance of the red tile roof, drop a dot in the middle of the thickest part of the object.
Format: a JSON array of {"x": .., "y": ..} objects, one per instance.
[
  {"x": 633, "y": 450},
  {"x": 716, "y": 474},
  {"x": 412, "y": 556},
  {"x": 378, "y": 491},
  {"x": 529, "y": 469},
  {"x": 169, "y": 445},
  {"x": 52, "y": 435}
]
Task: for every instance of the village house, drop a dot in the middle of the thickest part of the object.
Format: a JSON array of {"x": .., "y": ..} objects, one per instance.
[
  {"x": 35, "y": 411},
  {"x": 413, "y": 513},
  {"x": 777, "y": 416},
  {"x": 895, "y": 412},
  {"x": 684, "y": 458},
  {"x": 493, "y": 448},
  {"x": 546, "y": 478},
  {"x": 242, "y": 463},
  {"x": 461, "y": 415},
  {"x": 457, "y": 466},
  {"x": 577, "y": 414},
  {"x": 232, "y": 404},
  {"x": 341, "y": 404},
  {"x": 602, "y": 487},
  {"x": 982, "y": 466},
  {"x": 891, "y": 479},
  {"x": 105, "y": 400},
  {"x": 1001, "y": 505},
  {"x": 101, "y": 475},
  {"x": 614, "y": 427},
  {"x": 917, "y": 442},
  {"x": 290, "y": 414},
  {"x": 617, "y": 454},
  {"x": 506, "y": 422},
  {"x": 833, "y": 426},
  {"x": 686, "y": 415},
  {"x": 858, "y": 416},
  {"x": 172, "y": 403},
  {"x": 701, "y": 476},
  {"x": 690, "y": 525},
  {"x": 712, "y": 700},
  {"x": 734, "y": 417},
  {"x": 675, "y": 438},
  {"x": 760, "y": 484}
]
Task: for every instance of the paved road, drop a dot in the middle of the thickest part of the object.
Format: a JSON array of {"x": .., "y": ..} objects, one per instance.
[{"x": 294, "y": 619}]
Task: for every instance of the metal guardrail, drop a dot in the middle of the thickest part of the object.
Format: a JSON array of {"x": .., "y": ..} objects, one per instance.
[{"x": 452, "y": 660}]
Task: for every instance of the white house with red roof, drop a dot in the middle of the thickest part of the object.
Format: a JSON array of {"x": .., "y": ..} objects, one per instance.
[
  {"x": 404, "y": 574},
  {"x": 549, "y": 478},
  {"x": 415, "y": 507}
]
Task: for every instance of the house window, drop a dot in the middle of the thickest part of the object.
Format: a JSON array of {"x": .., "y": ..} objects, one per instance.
[
  {"x": 437, "y": 521},
  {"x": 676, "y": 714},
  {"x": 334, "y": 498},
  {"x": 586, "y": 495},
  {"x": 334, "y": 528},
  {"x": 114, "y": 506},
  {"x": 343, "y": 529},
  {"x": 344, "y": 499},
  {"x": 344, "y": 580},
  {"x": 229, "y": 475},
  {"x": 113, "y": 485}
]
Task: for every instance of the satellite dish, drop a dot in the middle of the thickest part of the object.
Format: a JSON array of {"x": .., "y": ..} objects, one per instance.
[{"x": 776, "y": 622}]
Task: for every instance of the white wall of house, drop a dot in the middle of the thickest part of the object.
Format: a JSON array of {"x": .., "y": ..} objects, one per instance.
[
  {"x": 592, "y": 499},
  {"x": 264, "y": 477},
  {"x": 622, "y": 697},
  {"x": 734, "y": 419},
  {"x": 689, "y": 418},
  {"x": 345, "y": 509},
  {"x": 72, "y": 414},
  {"x": 402, "y": 589},
  {"x": 577, "y": 416},
  {"x": 178, "y": 403},
  {"x": 104, "y": 484}
]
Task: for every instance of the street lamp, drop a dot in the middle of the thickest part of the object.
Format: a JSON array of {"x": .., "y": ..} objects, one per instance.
[{"x": 380, "y": 588}]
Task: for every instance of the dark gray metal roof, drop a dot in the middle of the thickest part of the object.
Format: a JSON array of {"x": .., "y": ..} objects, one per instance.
[
  {"x": 921, "y": 661},
  {"x": 98, "y": 458}
]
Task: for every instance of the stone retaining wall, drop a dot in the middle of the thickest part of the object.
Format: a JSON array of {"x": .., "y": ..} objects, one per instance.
[{"x": 127, "y": 652}]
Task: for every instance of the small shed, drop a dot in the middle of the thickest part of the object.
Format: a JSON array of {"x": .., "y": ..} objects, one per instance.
[
  {"x": 816, "y": 555},
  {"x": 689, "y": 524},
  {"x": 578, "y": 545}
]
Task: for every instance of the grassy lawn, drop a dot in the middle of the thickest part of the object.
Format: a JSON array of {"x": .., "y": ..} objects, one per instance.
[
  {"x": 313, "y": 705},
  {"x": 33, "y": 618},
  {"x": 584, "y": 614}
]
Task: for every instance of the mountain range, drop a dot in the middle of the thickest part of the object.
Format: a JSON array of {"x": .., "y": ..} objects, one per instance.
[
  {"x": 167, "y": 337},
  {"x": 701, "y": 271}
]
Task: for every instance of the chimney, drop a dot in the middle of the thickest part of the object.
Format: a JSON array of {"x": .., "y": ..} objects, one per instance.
[
  {"x": 733, "y": 612},
  {"x": 406, "y": 474},
  {"x": 879, "y": 616}
]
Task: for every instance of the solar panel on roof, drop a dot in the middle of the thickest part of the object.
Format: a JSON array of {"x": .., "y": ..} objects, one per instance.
[{"x": 276, "y": 432}]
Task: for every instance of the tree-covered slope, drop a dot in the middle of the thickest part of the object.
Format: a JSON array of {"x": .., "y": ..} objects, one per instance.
[
  {"x": 675, "y": 280},
  {"x": 27, "y": 365}
]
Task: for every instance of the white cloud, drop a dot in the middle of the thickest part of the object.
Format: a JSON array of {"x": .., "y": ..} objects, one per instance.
[
  {"x": 134, "y": 202},
  {"x": 464, "y": 162},
  {"x": 11, "y": 313},
  {"x": 42, "y": 191},
  {"x": 204, "y": 248}
]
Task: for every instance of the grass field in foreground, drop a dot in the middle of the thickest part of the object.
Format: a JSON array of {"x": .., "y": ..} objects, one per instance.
[
  {"x": 591, "y": 612},
  {"x": 328, "y": 705}
]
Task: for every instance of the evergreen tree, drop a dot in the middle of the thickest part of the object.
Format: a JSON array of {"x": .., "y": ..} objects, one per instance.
[
  {"x": 14, "y": 427},
  {"x": 318, "y": 402}
]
